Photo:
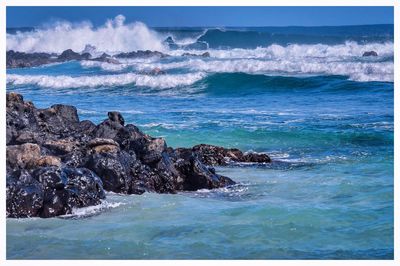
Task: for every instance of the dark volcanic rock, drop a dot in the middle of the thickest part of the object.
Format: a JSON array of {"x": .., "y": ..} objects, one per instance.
[
  {"x": 215, "y": 155},
  {"x": 56, "y": 163},
  {"x": 68, "y": 55},
  {"x": 19, "y": 59},
  {"x": 51, "y": 191},
  {"x": 370, "y": 53}
]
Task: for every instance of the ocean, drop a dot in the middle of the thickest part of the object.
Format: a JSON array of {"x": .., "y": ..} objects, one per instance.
[{"x": 304, "y": 95}]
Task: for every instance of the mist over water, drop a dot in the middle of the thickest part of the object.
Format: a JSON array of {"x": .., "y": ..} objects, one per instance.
[{"x": 305, "y": 96}]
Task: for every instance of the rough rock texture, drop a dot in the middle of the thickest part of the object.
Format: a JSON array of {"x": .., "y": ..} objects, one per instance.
[
  {"x": 215, "y": 155},
  {"x": 55, "y": 162},
  {"x": 20, "y": 59}
]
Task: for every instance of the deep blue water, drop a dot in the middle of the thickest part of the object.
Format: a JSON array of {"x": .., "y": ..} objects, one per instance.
[{"x": 323, "y": 113}]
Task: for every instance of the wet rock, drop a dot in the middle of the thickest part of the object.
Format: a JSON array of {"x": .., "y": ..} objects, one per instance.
[
  {"x": 67, "y": 188},
  {"x": 106, "y": 58},
  {"x": 370, "y": 53},
  {"x": 68, "y": 55},
  {"x": 215, "y": 155},
  {"x": 113, "y": 169},
  {"x": 116, "y": 117},
  {"x": 195, "y": 175},
  {"x": 19, "y": 59},
  {"x": 24, "y": 195}
]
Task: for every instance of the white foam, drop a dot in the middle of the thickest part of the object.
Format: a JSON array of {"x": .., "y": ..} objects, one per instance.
[
  {"x": 358, "y": 71},
  {"x": 92, "y": 210},
  {"x": 62, "y": 81},
  {"x": 114, "y": 36},
  {"x": 274, "y": 51}
]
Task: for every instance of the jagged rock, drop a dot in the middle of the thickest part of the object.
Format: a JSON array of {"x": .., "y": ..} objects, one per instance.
[
  {"x": 24, "y": 195},
  {"x": 215, "y": 155},
  {"x": 116, "y": 117},
  {"x": 113, "y": 169},
  {"x": 106, "y": 58},
  {"x": 67, "y": 188},
  {"x": 68, "y": 55}
]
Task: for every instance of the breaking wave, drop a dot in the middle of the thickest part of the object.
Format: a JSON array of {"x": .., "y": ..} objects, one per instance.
[
  {"x": 114, "y": 36},
  {"x": 57, "y": 82}
]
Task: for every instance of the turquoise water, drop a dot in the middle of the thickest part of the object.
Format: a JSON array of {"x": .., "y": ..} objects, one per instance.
[{"x": 323, "y": 113}]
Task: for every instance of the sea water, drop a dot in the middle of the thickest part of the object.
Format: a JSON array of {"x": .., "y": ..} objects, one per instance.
[{"x": 303, "y": 95}]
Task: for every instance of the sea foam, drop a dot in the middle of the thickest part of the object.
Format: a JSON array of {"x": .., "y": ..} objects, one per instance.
[
  {"x": 62, "y": 81},
  {"x": 114, "y": 36}
]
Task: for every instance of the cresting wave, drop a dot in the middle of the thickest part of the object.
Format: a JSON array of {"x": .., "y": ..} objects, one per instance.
[
  {"x": 114, "y": 36},
  {"x": 355, "y": 70},
  {"x": 58, "y": 82}
]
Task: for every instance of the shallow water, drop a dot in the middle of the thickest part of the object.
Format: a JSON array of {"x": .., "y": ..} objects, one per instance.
[{"x": 326, "y": 120}]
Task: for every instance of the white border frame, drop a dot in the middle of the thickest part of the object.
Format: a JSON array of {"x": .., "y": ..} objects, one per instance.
[{"x": 5, "y": 3}]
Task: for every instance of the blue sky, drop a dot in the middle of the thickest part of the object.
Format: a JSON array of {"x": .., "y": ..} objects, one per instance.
[{"x": 205, "y": 16}]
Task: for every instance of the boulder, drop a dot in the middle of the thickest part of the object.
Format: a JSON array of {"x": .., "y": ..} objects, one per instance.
[
  {"x": 24, "y": 156},
  {"x": 69, "y": 55},
  {"x": 215, "y": 155}
]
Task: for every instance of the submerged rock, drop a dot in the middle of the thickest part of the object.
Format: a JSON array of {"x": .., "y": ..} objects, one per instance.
[{"x": 55, "y": 162}]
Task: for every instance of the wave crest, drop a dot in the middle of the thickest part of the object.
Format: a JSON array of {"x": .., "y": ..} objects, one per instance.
[{"x": 59, "y": 36}]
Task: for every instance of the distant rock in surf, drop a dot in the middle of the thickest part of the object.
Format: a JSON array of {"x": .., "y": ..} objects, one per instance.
[
  {"x": 370, "y": 53},
  {"x": 141, "y": 54},
  {"x": 206, "y": 54},
  {"x": 20, "y": 60},
  {"x": 69, "y": 55}
]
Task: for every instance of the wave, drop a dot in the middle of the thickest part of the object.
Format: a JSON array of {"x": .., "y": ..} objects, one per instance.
[
  {"x": 62, "y": 81},
  {"x": 346, "y": 50},
  {"x": 256, "y": 37},
  {"x": 114, "y": 36},
  {"x": 356, "y": 70}
]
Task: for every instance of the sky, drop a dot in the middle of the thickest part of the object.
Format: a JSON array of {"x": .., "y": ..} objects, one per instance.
[{"x": 204, "y": 16}]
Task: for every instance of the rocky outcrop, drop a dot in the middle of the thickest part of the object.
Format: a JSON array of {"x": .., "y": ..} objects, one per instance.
[
  {"x": 20, "y": 59},
  {"x": 217, "y": 156},
  {"x": 55, "y": 162}
]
